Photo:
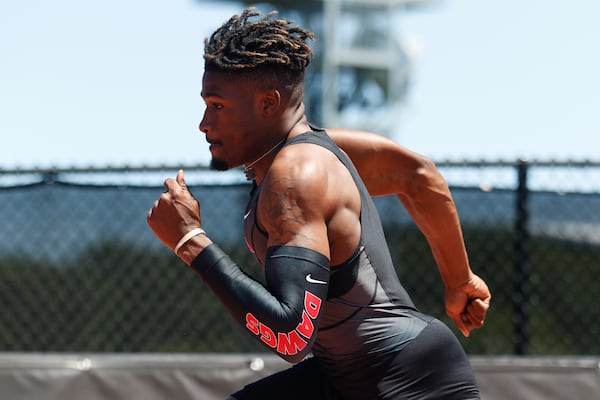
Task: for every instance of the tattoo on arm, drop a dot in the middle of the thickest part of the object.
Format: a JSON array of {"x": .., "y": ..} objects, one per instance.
[{"x": 285, "y": 214}]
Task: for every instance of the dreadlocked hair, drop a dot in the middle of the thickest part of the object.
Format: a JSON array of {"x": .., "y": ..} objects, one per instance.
[{"x": 251, "y": 40}]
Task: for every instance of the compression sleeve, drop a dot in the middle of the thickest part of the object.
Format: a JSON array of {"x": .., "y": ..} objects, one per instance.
[{"x": 285, "y": 314}]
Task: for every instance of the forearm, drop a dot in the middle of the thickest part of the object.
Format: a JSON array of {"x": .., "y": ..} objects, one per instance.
[
  {"x": 432, "y": 208},
  {"x": 451, "y": 256},
  {"x": 284, "y": 316}
]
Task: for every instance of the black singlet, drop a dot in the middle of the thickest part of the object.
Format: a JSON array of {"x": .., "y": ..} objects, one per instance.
[{"x": 368, "y": 317}]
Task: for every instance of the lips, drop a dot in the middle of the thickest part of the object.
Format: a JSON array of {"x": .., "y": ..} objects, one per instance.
[{"x": 214, "y": 143}]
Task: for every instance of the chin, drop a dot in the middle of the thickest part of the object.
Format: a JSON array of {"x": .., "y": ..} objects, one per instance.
[{"x": 219, "y": 165}]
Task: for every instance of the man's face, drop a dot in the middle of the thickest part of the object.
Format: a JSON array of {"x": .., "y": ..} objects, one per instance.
[{"x": 230, "y": 118}]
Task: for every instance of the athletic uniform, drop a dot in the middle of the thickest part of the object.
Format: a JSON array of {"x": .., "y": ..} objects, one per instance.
[{"x": 369, "y": 342}]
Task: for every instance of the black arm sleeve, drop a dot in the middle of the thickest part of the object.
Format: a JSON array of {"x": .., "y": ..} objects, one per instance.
[{"x": 284, "y": 315}]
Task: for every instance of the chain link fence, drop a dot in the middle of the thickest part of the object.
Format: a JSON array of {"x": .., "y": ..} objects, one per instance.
[{"x": 81, "y": 272}]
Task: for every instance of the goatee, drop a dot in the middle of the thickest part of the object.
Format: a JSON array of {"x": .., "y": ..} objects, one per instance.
[{"x": 218, "y": 165}]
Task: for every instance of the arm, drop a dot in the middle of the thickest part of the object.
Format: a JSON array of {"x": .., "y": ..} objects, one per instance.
[
  {"x": 388, "y": 168},
  {"x": 283, "y": 315}
]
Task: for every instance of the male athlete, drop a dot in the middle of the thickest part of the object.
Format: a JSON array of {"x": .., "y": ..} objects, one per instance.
[{"x": 332, "y": 303}]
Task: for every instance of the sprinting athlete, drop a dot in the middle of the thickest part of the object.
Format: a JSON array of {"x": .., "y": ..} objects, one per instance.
[{"x": 332, "y": 304}]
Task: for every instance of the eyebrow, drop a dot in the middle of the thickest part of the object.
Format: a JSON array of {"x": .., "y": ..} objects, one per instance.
[{"x": 206, "y": 95}]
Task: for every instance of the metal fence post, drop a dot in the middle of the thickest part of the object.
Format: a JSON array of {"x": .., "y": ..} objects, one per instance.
[{"x": 521, "y": 294}]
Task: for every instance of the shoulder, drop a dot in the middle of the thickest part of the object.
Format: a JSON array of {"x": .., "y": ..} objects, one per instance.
[
  {"x": 298, "y": 199},
  {"x": 302, "y": 170},
  {"x": 385, "y": 166}
]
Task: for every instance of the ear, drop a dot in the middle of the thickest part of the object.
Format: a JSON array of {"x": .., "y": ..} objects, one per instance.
[{"x": 270, "y": 102}]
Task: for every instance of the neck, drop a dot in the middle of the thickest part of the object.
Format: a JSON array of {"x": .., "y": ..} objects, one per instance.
[
  {"x": 297, "y": 124},
  {"x": 248, "y": 168}
]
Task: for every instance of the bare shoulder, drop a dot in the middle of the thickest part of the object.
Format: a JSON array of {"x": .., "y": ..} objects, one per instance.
[
  {"x": 363, "y": 143},
  {"x": 343, "y": 136},
  {"x": 300, "y": 196},
  {"x": 385, "y": 166},
  {"x": 300, "y": 175}
]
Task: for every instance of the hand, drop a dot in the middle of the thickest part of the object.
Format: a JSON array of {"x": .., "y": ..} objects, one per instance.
[
  {"x": 175, "y": 213},
  {"x": 468, "y": 304}
]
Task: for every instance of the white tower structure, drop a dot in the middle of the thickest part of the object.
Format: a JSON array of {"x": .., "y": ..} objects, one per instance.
[{"x": 366, "y": 67}]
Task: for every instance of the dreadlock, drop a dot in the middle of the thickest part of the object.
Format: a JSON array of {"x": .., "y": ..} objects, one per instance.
[{"x": 251, "y": 41}]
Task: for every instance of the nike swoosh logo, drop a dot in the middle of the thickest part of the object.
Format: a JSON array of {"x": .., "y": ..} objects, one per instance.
[
  {"x": 247, "y": 214},
  {"x": 310, "y": 279}
]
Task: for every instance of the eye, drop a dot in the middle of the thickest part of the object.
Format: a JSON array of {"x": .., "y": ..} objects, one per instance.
[
  {"x": 214, "y": 105},
  {"x": 213, "y": 102}
]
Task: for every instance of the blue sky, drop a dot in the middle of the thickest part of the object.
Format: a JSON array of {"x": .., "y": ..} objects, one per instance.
[{"x": 117, "y": 82}]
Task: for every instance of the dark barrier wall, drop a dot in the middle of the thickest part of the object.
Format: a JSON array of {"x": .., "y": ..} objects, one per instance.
[
  {"x": 81, "y": 272},
  {"x": 213, "y": 377}
]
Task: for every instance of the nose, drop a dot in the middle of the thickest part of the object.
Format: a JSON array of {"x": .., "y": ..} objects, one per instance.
[{"x": 203, "y": 124}]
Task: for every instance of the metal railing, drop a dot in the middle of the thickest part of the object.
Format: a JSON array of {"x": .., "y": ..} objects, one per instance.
[{"x": 80, "y": 270}]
